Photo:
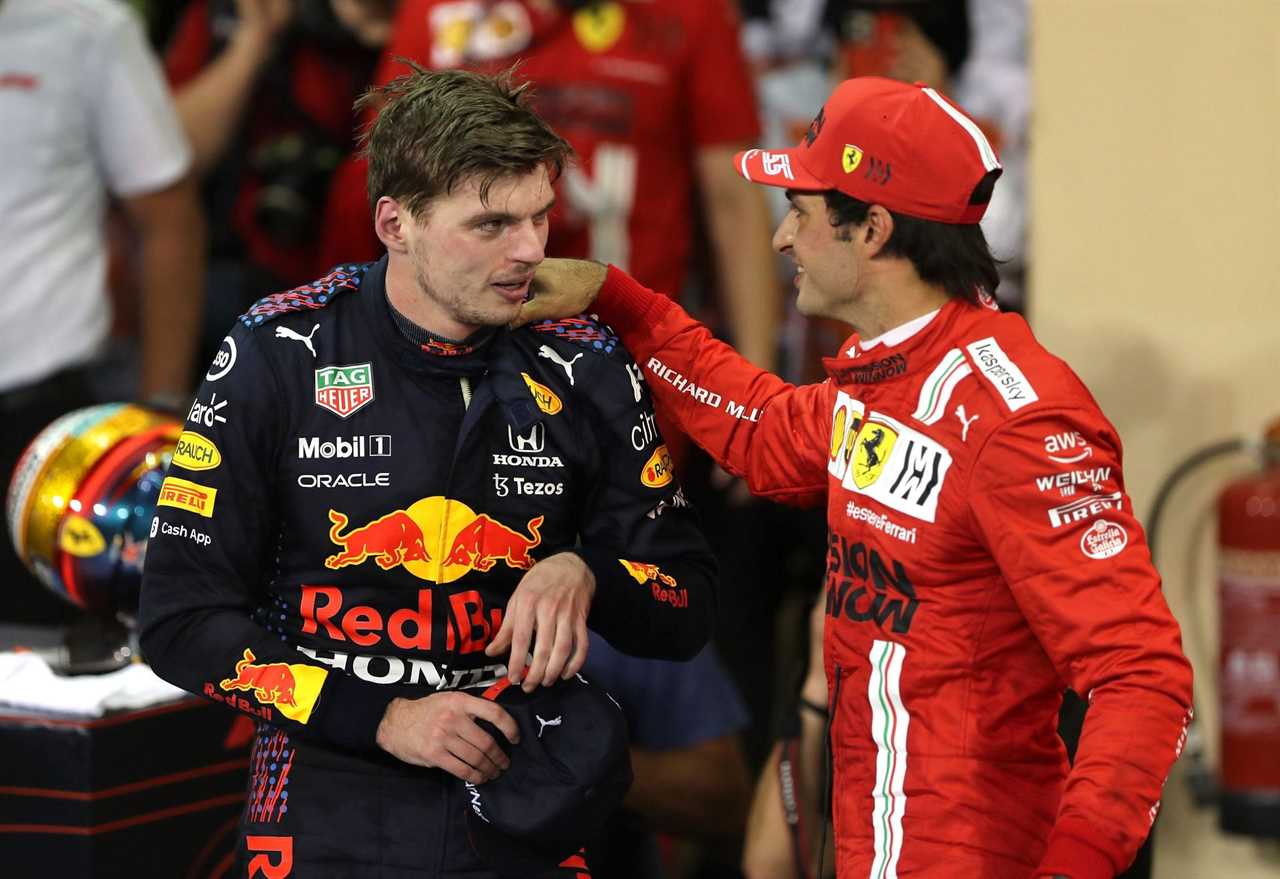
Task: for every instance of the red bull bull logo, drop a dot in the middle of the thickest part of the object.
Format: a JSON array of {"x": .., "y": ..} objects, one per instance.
[
  {"x": 390, "y": 540},
  {"x": 486, "y": 541},
  {"x": 643, "y": 572},
  {"x": 461, "y": 541},
  {"x": 663, "y": 586},
  {"x": 291, "y": 688}
]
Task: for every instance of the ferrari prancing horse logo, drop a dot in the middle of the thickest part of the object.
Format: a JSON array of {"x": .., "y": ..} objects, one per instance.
[{"x": 851, "y": 158}]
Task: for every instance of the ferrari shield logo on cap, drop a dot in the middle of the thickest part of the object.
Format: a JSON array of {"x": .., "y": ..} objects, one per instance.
[
  {"x": 344, "y": 389},
  {"x": 599, "y": 26},
  {"x": 851, "y": 158}
]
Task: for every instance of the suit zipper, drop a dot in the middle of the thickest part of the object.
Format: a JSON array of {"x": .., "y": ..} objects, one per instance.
[{"x": 829, "y": 770}]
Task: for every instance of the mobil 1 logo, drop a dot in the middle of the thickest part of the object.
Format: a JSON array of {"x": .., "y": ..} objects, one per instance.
[{"x": 377, "y": 445}]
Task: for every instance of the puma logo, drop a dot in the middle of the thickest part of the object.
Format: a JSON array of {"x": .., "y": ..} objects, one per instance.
[
  {"x": 555, "y": 721},
  {"x": 286, "y": 333},
  {"x": 554, "y": 357},
  {"x": 964, "y": 433}
]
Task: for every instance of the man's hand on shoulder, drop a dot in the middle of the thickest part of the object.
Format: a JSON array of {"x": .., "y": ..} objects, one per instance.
[
  {"x": 552, "y": 601},
  {"x": 562, "y": 288},
  {"x": 440, "y": 731}
]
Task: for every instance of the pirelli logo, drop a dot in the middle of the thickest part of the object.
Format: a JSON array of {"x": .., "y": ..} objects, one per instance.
[{"x": 184, "y": 495}]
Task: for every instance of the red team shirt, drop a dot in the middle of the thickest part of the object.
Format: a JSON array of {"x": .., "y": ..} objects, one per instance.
[
  {"x": 323, "y": 82},
  {"x": 982, "y": 555},
  {"x": 636, "y": 87}
]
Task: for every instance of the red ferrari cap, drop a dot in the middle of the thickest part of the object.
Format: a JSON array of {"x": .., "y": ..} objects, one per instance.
[{"x": 889, "y": 143}]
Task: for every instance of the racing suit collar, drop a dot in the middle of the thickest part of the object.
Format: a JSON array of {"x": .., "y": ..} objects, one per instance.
[
  {"x": 891, "y": 354},
  {"x": 472, "y": 359}
]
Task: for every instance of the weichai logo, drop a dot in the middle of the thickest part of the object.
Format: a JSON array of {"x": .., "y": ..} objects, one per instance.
[
  {"x": 461, "y": 540},
  {"x": 864, "y": 586}
]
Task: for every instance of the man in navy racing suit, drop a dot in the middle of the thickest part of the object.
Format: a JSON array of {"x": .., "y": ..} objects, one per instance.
[{"x": 384, "y": 498}]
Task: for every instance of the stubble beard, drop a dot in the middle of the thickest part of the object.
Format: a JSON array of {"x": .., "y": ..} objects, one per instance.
[{"x": 454, "y": 308}]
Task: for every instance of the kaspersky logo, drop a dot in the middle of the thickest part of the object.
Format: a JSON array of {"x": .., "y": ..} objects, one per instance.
[
  {"x": 291, "y": 688},
  {"x": 467, "y": 541}
]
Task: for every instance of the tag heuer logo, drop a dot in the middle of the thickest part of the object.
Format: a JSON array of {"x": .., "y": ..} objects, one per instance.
[{"x": 344, "y": 389}]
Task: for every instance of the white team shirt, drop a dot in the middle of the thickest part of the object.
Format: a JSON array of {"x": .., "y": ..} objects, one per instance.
[{"x": 84, "y": 109}]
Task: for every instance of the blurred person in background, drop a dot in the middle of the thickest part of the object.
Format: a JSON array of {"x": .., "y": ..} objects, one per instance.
[
  {"x": 654, "y": 97},
  {"x": 86, "y": 116},
  {"x": 691, "y": 780},
  {"x": 265, "y": 90},
  {"x": 790, "y": 810},
  {"x": 975, "y": 52}
]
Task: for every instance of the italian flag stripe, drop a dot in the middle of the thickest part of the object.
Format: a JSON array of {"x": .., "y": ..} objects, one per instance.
[
  {"x": 889, "y": 722},
  {"x": 936, "y": 392}
]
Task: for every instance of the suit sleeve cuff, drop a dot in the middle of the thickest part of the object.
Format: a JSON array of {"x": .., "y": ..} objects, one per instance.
[
  {"x": 350, "y": 711},
  {"x": 1074, "y": 851},
  {"x": 626, "y": 304}
]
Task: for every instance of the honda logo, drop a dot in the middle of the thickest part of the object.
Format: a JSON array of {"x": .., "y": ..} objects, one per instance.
[{"x": 531, "y": 443}]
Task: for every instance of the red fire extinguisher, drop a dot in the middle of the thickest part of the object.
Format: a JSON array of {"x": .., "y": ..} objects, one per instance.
[
  {"x": 1246, "y": 787},
  {"x": 1249, "y": 652}
]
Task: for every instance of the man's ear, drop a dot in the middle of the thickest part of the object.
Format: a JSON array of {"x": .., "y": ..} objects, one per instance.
[
  {"x": 877, "y": 229},
  {"x": 390, "y": 219}
]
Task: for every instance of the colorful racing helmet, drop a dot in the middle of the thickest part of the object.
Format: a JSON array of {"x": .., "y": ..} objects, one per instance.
[{"x": 81, "y": 500}]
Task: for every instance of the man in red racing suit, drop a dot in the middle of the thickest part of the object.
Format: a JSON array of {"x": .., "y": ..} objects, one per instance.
[{"x": 983, "y": 554}]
